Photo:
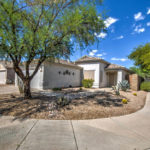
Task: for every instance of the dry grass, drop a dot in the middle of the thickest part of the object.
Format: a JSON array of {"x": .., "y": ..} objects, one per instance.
[{"x": 104, "y": 104}]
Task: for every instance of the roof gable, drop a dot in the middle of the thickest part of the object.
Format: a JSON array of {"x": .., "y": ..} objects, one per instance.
[{"x": 90, "y": 59}]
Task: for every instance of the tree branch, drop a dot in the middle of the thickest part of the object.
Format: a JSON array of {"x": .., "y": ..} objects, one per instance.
[{"x": 41, "y": 60}]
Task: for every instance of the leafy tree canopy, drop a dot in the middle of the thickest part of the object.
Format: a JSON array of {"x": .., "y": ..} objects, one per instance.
[
  {"x": 140, "y": 72},
  {"x": 43, "y": 29},
  {"x": 141, "y": 58}
]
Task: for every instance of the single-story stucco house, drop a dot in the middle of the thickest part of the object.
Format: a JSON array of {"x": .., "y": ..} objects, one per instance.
[
  {"x": 102, "y": 72},
  {"x": 7, "y": 74},
  {"x": 62, "y": 73},
  {"x": 58, "y": 74}
]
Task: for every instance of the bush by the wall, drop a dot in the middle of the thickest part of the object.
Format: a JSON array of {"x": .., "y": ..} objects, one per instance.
[
  {"x": 145, "y": 86},
  {"x": 57, "y": 89},
  {"x": 87, "y": 83}
]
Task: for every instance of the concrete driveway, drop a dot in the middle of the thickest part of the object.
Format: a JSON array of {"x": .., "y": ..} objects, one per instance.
[
  {"x": 8, "y": 89},
  {"x": 130, "y": 132}
]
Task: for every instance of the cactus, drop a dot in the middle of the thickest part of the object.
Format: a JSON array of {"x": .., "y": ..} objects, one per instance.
[{"x": 124, "y": 85}]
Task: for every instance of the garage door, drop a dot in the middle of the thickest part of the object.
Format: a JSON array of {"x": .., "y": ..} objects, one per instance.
[
  {"x": 2, "y": 76},
  {"x": 89, "y": 74}
]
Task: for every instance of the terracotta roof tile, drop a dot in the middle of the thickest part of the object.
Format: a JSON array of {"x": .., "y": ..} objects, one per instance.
[
  {"x": 114, "y": 66},
  {"x": 88, "y": 58}
]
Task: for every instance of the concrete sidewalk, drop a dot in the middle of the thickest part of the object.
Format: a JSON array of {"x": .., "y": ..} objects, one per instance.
[{"x": 130, "y": 132}]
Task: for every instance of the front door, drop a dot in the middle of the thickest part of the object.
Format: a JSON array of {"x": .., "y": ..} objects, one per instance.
[{"x": 112, "y": 79}]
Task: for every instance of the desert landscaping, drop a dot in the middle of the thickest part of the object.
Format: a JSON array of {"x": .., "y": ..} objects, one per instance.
[{"x": 77, "y": 105}]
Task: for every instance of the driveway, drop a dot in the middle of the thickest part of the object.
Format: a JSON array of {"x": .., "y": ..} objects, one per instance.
[
  {"x": 8, "y": 89},
  {"x": 130, "y": 132}
]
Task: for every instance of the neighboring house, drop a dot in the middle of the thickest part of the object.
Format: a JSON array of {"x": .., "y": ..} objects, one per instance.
[
  {"x": 59, "y": 74},
  {"x": 7, "y": 74},
  {"x": 102, "y": 72}
]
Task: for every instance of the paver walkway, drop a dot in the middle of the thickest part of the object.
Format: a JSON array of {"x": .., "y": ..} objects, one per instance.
[{"x": 130, "y": 132}]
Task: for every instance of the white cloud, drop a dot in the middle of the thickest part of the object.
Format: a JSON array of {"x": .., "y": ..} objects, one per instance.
[
  {"x": 101, "y": 35},
  {"x": 139, "y": 29},
  {"x": 119, "y": 59},
  {"x": 101, "y": 54},
  {"x": 109, "y": 21},
  {"x": 92, "y": 53},
  {"x": 148, "y": 11},
  {"x": 138, "y": 16},
  {"x": 148, "y": 23},
  {"x": 94, "y": 50},
  {"x": 120, "y": 37}
]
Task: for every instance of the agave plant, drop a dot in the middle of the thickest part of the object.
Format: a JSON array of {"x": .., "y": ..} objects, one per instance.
[
  {"x": 116, "y": 89},
  {"x": 124, "y": 85}
]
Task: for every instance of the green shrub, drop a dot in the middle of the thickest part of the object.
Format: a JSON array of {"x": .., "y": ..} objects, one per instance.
[
  {"x": 81, "y": 89},
  {"x": 62, "y": 102},
  {"x": 87, "y": 83},
  {"x": 57, "y": 89},
  {"x": 145, "y": 86},
  {"x": 124, "y": 85}
]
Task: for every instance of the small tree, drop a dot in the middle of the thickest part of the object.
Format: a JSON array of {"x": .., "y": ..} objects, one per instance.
[
  {"x": 140, "y": 72},
  {"x": 141, "y": 58},
  {"x": 43, "y": 29}
]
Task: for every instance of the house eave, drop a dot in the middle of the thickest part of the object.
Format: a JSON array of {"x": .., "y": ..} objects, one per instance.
[
  {"x": 117, "y": 69},
  {"x": 88, "y": 61}
]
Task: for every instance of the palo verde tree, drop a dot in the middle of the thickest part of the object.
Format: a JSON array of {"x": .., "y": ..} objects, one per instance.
[
  {"x": 43, "y": 29},
  {"x": 141, "y": 58}
]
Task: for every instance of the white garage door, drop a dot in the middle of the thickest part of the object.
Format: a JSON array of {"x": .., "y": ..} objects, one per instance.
[{"x": 3, "y": 77}]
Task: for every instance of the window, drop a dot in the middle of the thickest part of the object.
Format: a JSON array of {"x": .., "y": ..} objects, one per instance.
[{"x": 89, "y": 74}]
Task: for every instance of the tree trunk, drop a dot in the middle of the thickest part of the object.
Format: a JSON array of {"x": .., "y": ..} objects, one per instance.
[{"x": 27, "y": 91}]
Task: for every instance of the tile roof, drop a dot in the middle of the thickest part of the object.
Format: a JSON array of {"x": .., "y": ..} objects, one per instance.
[
  {"x": 90, "y": 59},
  {"x": 56, "y": 61},
  {"x": 66, "y": 62},
  {"x": 114, "y": 66},
  {"x": 95, "y": 59}
]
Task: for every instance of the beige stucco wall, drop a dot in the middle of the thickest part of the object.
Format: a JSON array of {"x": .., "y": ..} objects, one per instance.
[
  {"x": 37, "y": 81},
  {"x": 121, "y": 75},
  {"x": 97, "y": 67},
  {"x": 3, "y": 74},
  {"x": 94, "y": 66},
  {"x": 124, "y": 74},
  {"x": 104, "y": 82},
  {"x": 54, "y": 76}
]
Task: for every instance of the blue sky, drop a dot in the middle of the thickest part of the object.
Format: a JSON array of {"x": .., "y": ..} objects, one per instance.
[{"x": 128, "y": 26}]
